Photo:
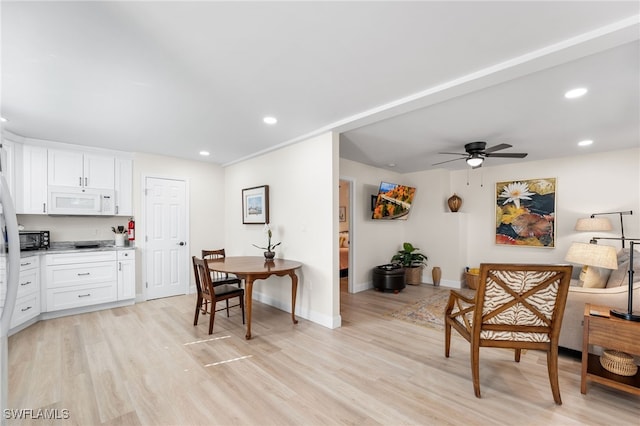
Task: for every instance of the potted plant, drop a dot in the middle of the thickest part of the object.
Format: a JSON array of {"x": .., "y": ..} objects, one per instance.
[
  {"x": 412, "y": 261},
  {"x": 269, "y": 253}
]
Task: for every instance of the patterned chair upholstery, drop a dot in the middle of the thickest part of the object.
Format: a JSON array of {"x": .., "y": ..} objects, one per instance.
[{"x": 515, "y": 306}]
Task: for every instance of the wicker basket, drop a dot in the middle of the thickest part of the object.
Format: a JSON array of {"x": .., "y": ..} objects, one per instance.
[
  {"x": 618, "y": 363},
  {"x": 471, "y": 280}
]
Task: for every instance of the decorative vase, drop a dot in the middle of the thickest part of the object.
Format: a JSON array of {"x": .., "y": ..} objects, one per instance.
[
  {"x": 269, "y": 255},
  {"x": 454, "y": 203},
  {"x": 436, "y": 274}
]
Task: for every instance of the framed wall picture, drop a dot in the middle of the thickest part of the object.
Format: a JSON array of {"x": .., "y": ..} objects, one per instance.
[
  {"x": 526, "y": 212},
  {"x": 342, "y": 213},
  {"x": 255, "y": 205}
]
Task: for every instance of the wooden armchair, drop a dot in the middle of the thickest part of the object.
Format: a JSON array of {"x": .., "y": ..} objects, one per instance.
[
  {"x": 515, "y": 306},
  {"x": 207, "y": 292}
]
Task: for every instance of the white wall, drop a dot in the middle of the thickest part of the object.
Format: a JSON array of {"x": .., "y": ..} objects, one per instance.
[
  {"x": 373, "y": 242},
  {"x": 206, "y": 202},
  {"x": 586, "y": 184},
  {"x": 73, "y": 228},
  {"x": 303, "y": 199}
]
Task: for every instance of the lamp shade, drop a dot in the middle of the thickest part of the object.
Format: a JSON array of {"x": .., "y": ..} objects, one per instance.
[
  {"x": 598, "y": 255},
  {"x": 593, "y": 224},
  {"x": 474, "y": 160}
]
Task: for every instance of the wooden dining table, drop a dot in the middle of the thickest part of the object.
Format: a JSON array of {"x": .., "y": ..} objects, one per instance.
[{"x": 251, "y": 268}]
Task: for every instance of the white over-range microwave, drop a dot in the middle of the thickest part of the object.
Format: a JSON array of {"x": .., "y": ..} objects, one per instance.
[{"x": 78, "y": 201}]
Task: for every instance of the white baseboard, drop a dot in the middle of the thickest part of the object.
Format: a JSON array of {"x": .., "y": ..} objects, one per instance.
[
  {"x": 323, "y": 320},
  {"x": 443, "y": 283},
  {"x": 451, "y": 283},
  {"x": 358, "y": 287}
]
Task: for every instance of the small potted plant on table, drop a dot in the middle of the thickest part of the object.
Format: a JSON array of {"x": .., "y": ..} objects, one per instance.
[{"x": 412, "y": 261}]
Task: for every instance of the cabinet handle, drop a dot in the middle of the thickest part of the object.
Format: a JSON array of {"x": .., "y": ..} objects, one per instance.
[
  {"x": 119, "y": 266},
  {"x": 25, "y": 309},
  {"x": 44, "y": 207},
  {"x": 116, "y": 209},
  {"x": 84, "y": 295},
  {"x": 84, "y": 273},
  {"x": 85, "y": 182},
  {"x": 25, "y": 264},
  {"x": 25, "y": 283},
  {"x": 80, "y": 181}
]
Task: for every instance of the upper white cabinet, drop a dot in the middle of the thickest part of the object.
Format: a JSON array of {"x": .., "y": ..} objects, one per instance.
[
  {"x": 8, "y": 165},
  {"x": 31, "y": 181},
  {"x": 80, "y": 170},
  {"x": 124, "y": 187},
  {"x": 99, "y": 171}
]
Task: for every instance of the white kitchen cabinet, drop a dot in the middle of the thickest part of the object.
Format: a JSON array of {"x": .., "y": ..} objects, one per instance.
[
  {"x": 126, "y": 274},
  {"x": 28, "y": 300},
  {"x": 80, "y": 279},
  {"x": 31, "y": 181},
  {"x": 124, "y": 187},
  {"x": 8, "y": 165},
  {"x": 80, "y": 170},
  {"x": 99, "y": 171}
]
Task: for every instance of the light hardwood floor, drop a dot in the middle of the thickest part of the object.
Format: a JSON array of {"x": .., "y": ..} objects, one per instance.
[{"x": 147, "y": 364}]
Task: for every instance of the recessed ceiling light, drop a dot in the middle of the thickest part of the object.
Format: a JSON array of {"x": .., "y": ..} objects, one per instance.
[
  {"x": 204, "y": 153},
  {"x": 585, "y": 142},
  {"x": 270, "y": 120},
  {"x": 391, "y": 164},
  {"x": 4, "y": 120},
  {"x": 575, "y": 93}
]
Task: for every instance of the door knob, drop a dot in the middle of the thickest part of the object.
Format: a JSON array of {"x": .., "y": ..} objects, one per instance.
[{"x": 181, "y": 243}]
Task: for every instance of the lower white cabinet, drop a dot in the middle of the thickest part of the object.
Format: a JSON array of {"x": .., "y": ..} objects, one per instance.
[
  {"x": 28, "y": 300},
  {"x": 80, "y": 279},
  {"x": 126, "y": 274}
]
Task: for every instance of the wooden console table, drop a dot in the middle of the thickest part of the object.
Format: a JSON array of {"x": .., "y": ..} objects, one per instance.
[{"x": 610, "y": 333}]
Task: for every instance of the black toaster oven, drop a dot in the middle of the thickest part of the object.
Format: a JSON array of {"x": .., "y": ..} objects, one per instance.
[{"x": 34, "y": 240}]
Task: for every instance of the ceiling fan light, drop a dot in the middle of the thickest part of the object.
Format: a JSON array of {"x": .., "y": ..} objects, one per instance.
[{"x": 474, "y": 161}]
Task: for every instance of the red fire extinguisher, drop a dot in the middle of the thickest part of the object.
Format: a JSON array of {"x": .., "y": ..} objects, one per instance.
[{"x": 132, "y": 229}]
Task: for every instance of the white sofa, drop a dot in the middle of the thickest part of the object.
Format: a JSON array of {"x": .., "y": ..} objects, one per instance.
[{"x": 614, "y": 294}]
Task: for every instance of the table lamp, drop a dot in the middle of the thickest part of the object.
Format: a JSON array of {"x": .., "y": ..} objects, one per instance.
[
  {"x": 629, "y": 314},
  {"x": 593, "y": 257}
]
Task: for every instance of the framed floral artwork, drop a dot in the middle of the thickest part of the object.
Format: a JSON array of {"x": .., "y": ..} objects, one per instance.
[
  {"x": 525, "y": 212},
  {"x": 255, "y": 205}
]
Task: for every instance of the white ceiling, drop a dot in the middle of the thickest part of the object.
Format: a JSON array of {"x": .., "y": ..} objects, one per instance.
[{"x": 401, "y": 81}]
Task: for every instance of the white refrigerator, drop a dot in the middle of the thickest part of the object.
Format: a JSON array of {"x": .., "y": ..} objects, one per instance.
[{"x": 9, "y": 270}]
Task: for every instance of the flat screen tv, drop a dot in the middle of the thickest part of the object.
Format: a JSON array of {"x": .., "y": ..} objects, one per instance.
[{"x": 393, "y": 201}]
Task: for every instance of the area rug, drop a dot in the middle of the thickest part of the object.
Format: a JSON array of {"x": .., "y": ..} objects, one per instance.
[{"x": 428, "y": 311}]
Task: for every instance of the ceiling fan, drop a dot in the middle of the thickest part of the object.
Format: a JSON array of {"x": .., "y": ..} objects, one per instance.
[{"x": 476, "y": 153}]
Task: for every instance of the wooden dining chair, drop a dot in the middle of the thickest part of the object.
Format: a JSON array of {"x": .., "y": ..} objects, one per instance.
[
  {"x": 515, "y": 306},
  {"x": 219, "y": 278},
  {"x": 207, "y": 292}
]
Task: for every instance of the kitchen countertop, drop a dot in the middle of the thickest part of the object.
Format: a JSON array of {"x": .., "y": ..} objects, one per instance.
[{"x": 70, "y": 247}]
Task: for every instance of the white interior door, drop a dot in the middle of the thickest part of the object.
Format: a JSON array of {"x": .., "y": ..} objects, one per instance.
[{"x": 166, "y": 238}]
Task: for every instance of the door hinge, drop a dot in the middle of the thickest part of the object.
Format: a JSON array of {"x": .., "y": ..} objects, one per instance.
[
  {"x": 146, "y": 285},
  {"x": 146, "y": 238}
]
